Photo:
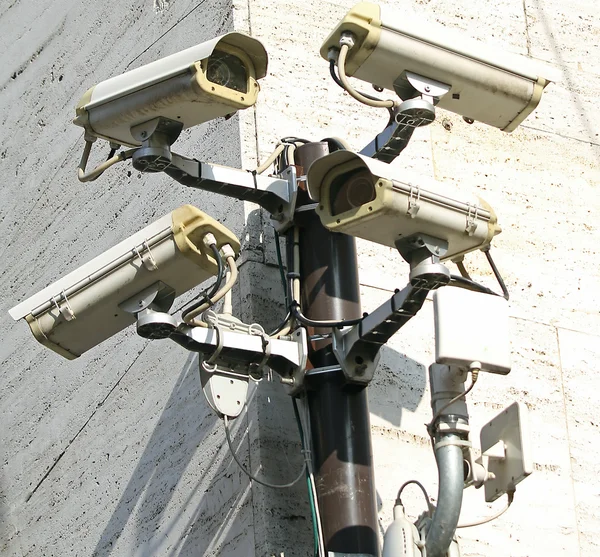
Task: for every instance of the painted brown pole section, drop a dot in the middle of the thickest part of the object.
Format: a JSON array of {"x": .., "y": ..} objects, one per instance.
[{"x": 339, "y": 413}]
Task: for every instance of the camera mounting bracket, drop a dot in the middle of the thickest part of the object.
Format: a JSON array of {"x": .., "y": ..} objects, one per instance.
[
  {"x": 157, "y": 136},
  {"x": 240, "y": 345},
  {"x": 275, "y": 194},
  {"x": 404, "y": 119},
  {"x": 357, "y": 348},
  {"x": 423, "y": 253},
  {"x": 150, "y": 306}
]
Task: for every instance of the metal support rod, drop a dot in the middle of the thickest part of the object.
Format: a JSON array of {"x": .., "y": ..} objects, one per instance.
[
  {"x": 339, "y": 413},
  {"x": 450, "y": 493}
]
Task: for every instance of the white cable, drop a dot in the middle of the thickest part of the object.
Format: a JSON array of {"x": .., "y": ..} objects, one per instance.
[
  {"x": 254, "y": 478},
  {"x": 93, "y": 174},
  {"x": 511, "y": 495},
  {"x": 296, "y": 279},
  {"x": 290, "y": 154},
  {"x": 227, "y": 299},
  {"x": 351, "y": 90},
  {"x": 270, "y": 159}
]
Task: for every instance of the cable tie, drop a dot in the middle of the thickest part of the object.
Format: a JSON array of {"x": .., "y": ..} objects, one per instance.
[
  {"x": 454, "y": 442},
  {"x": 219, "y": 346},
  {"x": 307, "y": 455}
]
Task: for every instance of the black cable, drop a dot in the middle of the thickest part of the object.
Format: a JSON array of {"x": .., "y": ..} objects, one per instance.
[
  {"x": 281, "y": 271},
  {"x": 206, "y": 295},
  {"x": 463, "y": 270},
  {"x": 220, "y": 271},
  {"x": 309, "y": 483},
  {"x": 339, "y": 82},
  {"x": 286, "y": 319},
  {"x": 497, "y": 274},
  {"x": 366, "y": 95},
  {"x": 292, "y": 139},
  {"x": 295, "y": 309},
  {"x": 281, "y": 325},
  {"x": 334, "y": 76},
  {"x": 469, "y": 284}
]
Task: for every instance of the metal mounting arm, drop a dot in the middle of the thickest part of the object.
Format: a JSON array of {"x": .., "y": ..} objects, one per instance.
[
  {"x": 357, "y": 349},
  {"x": 405, "y": 118},
  {"x": 388, "y": 144},
  {"x": 284, "y": 356},
  {"x": 276, "y": 195}
]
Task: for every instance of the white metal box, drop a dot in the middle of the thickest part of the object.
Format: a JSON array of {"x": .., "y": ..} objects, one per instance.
[{"x": 471, "y": 327}]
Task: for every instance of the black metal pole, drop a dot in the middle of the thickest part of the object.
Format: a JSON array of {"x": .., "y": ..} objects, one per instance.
[{"x": 339, "y": 413}]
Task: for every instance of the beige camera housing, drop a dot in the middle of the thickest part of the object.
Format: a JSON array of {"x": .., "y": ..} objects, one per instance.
[
  {"x": 85, "y": 307},
  {"x": 176, "y": 88},
  {"x": 392, "y": 205},
  {"x": 487, "y": 85}
]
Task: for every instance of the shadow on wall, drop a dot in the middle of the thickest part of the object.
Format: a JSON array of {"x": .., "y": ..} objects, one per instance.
[
  {"x": 186, "y": 424},
  {"x": 571, "y": 82},
  {"x": 4, "y": 519},
  {"x": 208, "y": 516},
  {"x": 398, "y": 385}
]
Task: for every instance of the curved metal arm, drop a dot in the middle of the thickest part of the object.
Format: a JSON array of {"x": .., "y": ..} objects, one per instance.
[{"x": 450, "y": 492}]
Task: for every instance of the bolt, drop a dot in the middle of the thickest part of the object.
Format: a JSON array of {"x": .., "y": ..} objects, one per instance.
[
  {"x": 144, "y": 134},
  {"x": 447, "y": 124},
  {"x": 427, "y": 88}
]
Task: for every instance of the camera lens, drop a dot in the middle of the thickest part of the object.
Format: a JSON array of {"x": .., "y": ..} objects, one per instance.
[
  {"x": 227, "y": 70},
  {"x": 351, "y": 190}
]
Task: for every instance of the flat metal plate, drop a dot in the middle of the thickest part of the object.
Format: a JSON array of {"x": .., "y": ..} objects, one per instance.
[{"x": 511, "y": 428}]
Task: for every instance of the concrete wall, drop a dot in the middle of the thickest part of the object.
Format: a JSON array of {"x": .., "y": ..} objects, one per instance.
[{"x": 117, "y": 453}]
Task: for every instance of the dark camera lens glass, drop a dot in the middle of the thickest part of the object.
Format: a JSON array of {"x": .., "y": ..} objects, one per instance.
[
  {"x": 351, "y": 190},
  {"x": 227, "y": 70}
]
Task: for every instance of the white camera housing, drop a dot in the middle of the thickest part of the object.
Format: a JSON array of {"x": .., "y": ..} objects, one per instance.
[
  {"x": 493, "y": 87},
  {"x": 370, "y": 199},
  {"x": 86, "y": 307},
  {"x": 212, "y": 79}
]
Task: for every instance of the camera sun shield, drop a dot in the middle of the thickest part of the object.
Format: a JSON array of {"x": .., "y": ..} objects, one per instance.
[{"x": 85, "y": 307}]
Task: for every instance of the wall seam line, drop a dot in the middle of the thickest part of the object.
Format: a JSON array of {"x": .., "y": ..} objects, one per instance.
[
  {"x": 98, "y": 406},
  {"x": 562, "y": 387}
]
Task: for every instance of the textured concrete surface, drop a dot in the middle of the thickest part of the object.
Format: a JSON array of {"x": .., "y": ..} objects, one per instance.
[{"x": 117, "y": 453}]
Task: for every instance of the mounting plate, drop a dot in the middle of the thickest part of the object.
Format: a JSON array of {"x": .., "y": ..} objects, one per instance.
[{"x": 506, "y": 450}]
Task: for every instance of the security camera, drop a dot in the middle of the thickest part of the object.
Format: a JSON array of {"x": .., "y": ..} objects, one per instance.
[
  {"x": 370, "y": 199},
  {"x": 147, "y": 270},
  {"x": 212, "y": 79},
  {"x": 417, "y": 59}
]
